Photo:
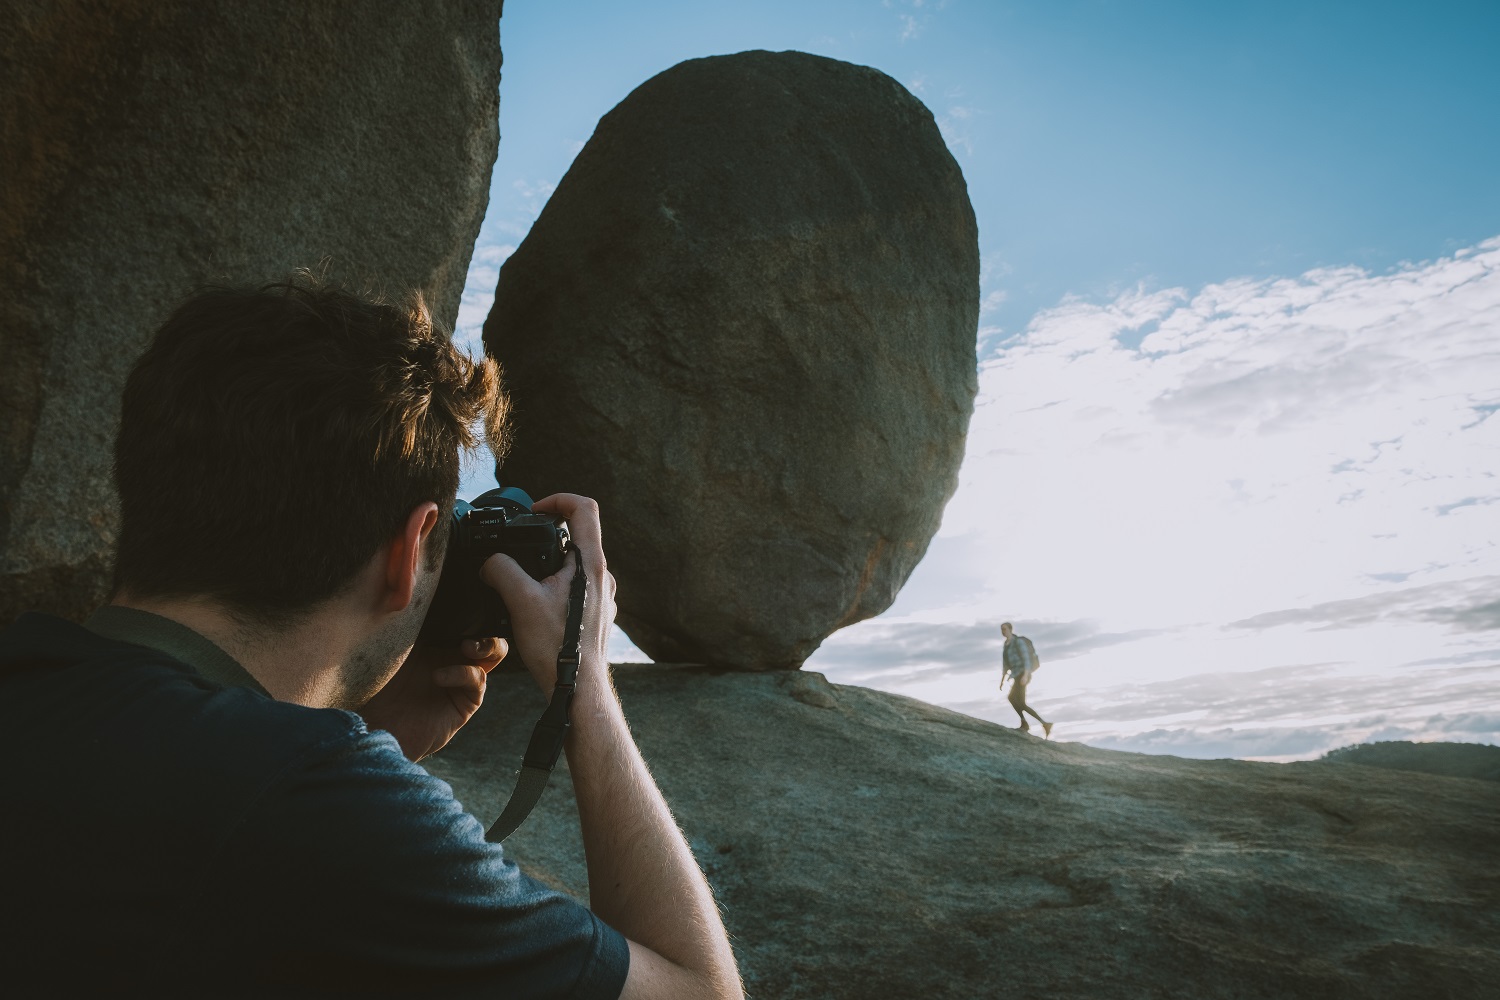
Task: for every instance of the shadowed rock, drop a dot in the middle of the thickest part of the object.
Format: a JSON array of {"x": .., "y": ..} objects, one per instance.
[
  {"x": 745, "y": 323},
  {"x": 863, "y": 845},
  {"x": 150, "y": 147},
  {"x": 1455, "y": 760}
]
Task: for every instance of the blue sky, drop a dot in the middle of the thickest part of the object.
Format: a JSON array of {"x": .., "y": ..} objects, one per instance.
[
  {"x": 1104, "y": 143},
  {"x": 1236, "y": 270}
]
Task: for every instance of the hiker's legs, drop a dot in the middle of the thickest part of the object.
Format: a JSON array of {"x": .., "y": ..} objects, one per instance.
[{"x": 1018, "y": 702}]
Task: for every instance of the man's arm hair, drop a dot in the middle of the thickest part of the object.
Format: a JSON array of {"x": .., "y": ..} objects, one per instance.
[{"x": 643, "y": 879}]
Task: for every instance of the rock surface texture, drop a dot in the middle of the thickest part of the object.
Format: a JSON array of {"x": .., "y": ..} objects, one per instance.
[
  {"x": 150, "y": 147},
  {"x": 865, "y": 845},
  {"x": 745, "y": 323},
  {"x": 1455, "y": 760}
]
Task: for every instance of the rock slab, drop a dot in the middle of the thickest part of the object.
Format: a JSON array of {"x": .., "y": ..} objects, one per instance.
[
  {"x": 1455, "y": 760},
  {"x": 865, "y": 845},
  {"x": 151, "y": 147},
  {"x": 745, "y": 323}
]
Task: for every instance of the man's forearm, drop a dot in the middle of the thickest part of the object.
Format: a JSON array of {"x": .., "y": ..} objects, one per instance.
[{"x": 643, "y": 879}]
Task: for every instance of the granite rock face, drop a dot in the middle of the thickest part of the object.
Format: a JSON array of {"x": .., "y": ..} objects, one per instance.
[
  {"x": 745, "y": 323},
  {"x": 151, "y": 147},
  {"x": 897, "y": 849}
]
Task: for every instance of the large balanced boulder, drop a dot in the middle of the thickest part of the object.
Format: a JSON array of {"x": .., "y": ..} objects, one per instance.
[
  {"x": 150, "y": 147},
  {"x": 745, "y": 323},
  {"x": 893, "y": 849}
]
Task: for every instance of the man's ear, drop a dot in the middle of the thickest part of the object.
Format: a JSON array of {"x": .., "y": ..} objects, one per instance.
[{"x": 404, "y": 555}]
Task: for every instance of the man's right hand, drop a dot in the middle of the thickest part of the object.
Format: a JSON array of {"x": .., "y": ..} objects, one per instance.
[
  {"x": 539, "y": 608},
  {"x": 643, "y": 880}
]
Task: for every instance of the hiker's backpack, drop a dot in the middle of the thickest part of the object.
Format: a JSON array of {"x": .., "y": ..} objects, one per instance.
[{"x": 1028, "y": 649}]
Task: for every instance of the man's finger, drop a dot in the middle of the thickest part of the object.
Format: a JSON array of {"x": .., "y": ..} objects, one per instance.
[
  {"x": 582, "y": 515},
  {"x": 503, "y": 574},
  {"x": 484, "y": 649},
  {"x": 460, "y": 675}
]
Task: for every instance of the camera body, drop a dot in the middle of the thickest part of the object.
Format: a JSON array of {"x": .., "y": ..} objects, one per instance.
[{"x": 499, "y": 520}]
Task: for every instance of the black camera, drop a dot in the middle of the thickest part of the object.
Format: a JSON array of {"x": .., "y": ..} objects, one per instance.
[{"x": 464, "y": 607}]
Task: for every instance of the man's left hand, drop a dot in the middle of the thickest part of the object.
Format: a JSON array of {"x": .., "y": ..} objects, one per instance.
[{"x": 435, "y": 692}]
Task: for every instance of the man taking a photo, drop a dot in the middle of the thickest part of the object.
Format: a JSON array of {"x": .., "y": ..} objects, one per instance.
[{"x": 213, "y": 781}]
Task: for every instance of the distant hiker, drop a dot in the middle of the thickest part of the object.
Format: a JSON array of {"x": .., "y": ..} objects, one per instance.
[{"x": 1020, "y": 660}]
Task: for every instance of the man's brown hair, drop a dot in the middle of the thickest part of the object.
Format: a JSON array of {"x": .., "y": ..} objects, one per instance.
[{"x": 272, "y": 439}]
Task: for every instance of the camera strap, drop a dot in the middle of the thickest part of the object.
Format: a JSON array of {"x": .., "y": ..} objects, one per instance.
[{"x": 552, "y": 728}]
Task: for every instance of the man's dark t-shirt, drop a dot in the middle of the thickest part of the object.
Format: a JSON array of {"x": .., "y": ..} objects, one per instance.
[{"x": 171, "y": 833}]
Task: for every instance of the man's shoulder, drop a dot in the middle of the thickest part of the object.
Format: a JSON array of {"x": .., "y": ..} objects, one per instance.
[
  {"x": 138, "y": 721},
  {"x": 36, "y": 640},
  {"x": 93, "y": 696},
  {"x": 217, "y": 826},
  {"x": 135, "y": 719}
]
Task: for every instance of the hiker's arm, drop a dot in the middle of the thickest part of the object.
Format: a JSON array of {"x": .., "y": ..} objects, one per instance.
[{"x": 643, "y": 880}]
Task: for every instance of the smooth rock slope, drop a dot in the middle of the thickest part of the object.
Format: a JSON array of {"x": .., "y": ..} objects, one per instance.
[
  {"x": 865, "y": 845},
  {"x": 745, "y": 323},
  {"x": 147, "y": 148},
  {"x": 1456, "y": 760}
]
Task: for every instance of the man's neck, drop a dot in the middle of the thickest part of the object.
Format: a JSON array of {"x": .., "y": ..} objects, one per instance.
[{"x": 302, "y": 663}]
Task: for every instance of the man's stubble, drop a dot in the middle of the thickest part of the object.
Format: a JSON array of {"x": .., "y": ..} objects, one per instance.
[{"x": 375, "y": 661}]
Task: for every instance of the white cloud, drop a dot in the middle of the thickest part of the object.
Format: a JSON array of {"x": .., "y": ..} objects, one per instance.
[
  {"x": 479, "y": 293},
  {"x": 534, "y": 193},
  {"x": 1287, "y": 743},
  {"x": 1468, "y": 605},
  {"x": 992, "y": 267},
  {"x": 1286, "y": 454},
  {"x": 622, "y": 650},
  {"x": 478, "y": 472},
  {"x": 953, "y": 124},
  {"x": 1288, "y": 712},
  {"x": 992, "y": 301},
  {"x": 912, "y": 25},
  {"x": 522, "y": 207},
  {"x": 1268, "y": 444}
]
